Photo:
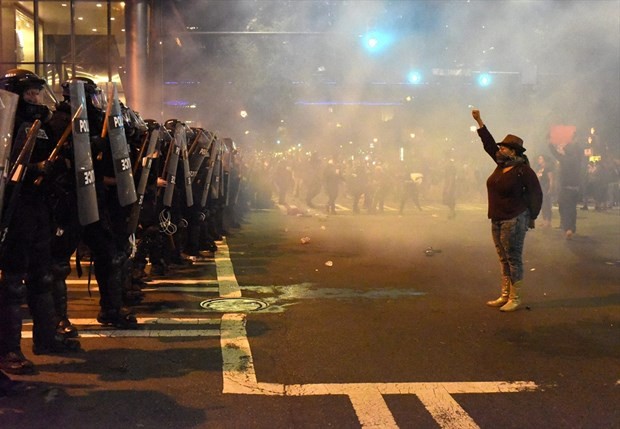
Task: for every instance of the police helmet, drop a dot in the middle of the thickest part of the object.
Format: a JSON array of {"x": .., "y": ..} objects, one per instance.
[
  {"x": 171, "y": 124},
  {"x": 152, "y": 124},
  {"x": 19, "y": 81},
  {"x": 92, "y": 92}
]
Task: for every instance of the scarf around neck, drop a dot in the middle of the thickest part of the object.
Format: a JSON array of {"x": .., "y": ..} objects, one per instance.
[{"x": 504, "y": 161}]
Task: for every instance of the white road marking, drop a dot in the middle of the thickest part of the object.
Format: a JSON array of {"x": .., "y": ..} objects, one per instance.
[
  {"x": 138, "y": 333},
  {"x": 229, "y": 288},
  {"x": 152, "y": 282},
  {"x": 239, "y": 377},
  {"x": 148, "y": 327},
  {"x": 189, "y": 289}
]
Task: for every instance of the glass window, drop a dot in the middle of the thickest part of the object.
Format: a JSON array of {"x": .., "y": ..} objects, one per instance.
[
  {"x": 16, "y": 35},
  {"x": 117, "y": 39},
  {"x": 92, "y": 45},
  {"x": 91, "y": 40},
  {"x": 55, "y": 17},
  {"x": 24, "y": 37}
]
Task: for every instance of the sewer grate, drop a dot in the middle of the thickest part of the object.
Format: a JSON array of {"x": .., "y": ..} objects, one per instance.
[{"x": 233, "y": 305}]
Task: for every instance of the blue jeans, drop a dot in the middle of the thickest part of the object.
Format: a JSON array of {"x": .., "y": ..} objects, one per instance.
[{"x": 509, "y": 236}]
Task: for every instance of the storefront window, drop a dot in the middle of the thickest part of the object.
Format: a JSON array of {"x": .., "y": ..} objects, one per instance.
[
  {"x": 24, "y": 37},
  {"x": 95, "y": 48},
  {"x": 56, "y": 53}
]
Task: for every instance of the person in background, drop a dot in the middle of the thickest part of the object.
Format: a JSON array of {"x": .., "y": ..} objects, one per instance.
[
  {"x": 546, "y": 177},
  {"x": 514, "y": 202},
  {"x": 569, "y": 181},
  {"x": 449, "y": 184},
  {"x": 331, "y": 181}
]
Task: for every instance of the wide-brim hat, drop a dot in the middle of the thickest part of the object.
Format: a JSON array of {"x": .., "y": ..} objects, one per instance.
[{"x": 513, "y": 142}]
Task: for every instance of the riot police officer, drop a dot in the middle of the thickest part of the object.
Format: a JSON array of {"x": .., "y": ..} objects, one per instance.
[
  {"x": 107, "y": 250},
  {"x": 25, "y": 258},
  {"x": 107, "y": 245}
]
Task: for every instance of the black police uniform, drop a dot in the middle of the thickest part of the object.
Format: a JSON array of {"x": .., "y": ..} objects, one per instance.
[{"x": 25, "y": 260}]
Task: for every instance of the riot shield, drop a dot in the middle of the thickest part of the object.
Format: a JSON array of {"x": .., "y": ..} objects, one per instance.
[
  {"x": 8, "y": 105},
  {"x": 200, "y": 150},
  {"x": 213, "y": 162},
  {"x": 181, "y": 137},
  {"x": 170, "y": 171},
  {"x": 217, "y": 187},
  {"x": 84, "y": 172},
  {"x": 227, "y": 166},
  {"x": 125, "y": 185},
  {"x": 147, "y": 162}
]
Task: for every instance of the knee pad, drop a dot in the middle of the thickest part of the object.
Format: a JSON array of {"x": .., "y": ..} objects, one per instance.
[
  {"x": 41, "y": 284},
  {"x": 118, "y": 261},
  {"x": 12, "y": 289}
]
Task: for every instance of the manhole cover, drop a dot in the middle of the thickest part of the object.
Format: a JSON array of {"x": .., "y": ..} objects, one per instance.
[{"x": 233, "y": 305}]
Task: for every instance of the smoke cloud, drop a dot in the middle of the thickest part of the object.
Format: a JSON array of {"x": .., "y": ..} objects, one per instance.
[{"x": 300, "y": 71}]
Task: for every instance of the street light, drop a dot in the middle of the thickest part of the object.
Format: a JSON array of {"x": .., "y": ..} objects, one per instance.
[
  {"x": 376, "y": 41},
  {"x": 484, "y": 80},
  {"x": 414, "y": 77}
]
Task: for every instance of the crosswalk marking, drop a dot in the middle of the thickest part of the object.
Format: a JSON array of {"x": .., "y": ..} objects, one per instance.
[
  {"x": 148, "y": 327},
  {"x": 239, "y": 374},
  {"x": 146, "y": 333},
  {"x": 239, "y": 377}
]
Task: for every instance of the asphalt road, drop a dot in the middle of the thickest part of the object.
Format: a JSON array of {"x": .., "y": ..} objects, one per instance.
[{"x": 358, "y": 327}]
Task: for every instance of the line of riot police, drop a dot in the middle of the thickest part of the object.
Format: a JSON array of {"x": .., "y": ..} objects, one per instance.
[{"x": 87, "y": 176}]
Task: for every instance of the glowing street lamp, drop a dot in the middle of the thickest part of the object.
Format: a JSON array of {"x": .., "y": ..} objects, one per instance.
[{"x": 485, "y": 80}]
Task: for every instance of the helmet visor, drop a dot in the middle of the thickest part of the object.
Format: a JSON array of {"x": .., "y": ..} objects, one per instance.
[{"x": 41, "y": 95}]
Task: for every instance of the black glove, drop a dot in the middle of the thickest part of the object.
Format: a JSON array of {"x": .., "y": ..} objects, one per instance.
[{"x": 44, "y": 168}]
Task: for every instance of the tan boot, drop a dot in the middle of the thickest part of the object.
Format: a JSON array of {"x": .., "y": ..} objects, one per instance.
[
  {"x": 503, "y": 299},
  {"x": 514, "y": 298}
]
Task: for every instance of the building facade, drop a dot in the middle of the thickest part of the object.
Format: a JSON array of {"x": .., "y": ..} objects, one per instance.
[{"x": 62, "y": 39}]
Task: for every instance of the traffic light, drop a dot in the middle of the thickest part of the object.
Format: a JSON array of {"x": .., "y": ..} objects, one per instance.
[
  {"x": 484, "y": 79},
  {"x": 414, "y": 77},
  {"x": 376, "y": 41}
]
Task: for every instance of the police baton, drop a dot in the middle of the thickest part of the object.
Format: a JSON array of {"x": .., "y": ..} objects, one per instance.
[
  {"x": 16, "y": 177},
  {"x": 63, "y": 139}
]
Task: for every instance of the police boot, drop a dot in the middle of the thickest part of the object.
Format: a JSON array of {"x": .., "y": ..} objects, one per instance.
[
  {"x": 206, "y": 242},
  {"x": 59, "y": 293},
  {"x": 112, "y": 310},
  {"x": 159, "y": 268},
  {"x": 132, "y": 294},
  {"x": 514, "y": 298},
  {"x": 16, "y": 363},
  {"x": 45, "y": 339},
  {"x": 12, "y": 294},
  {"x": 503, "y": 298},
  {"x": 122, "y": 318},
  {"x": 12, "y": 360}
]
